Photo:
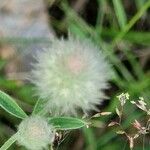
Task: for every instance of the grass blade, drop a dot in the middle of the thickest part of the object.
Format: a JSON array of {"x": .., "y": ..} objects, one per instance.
[
  {"x": 128, "y": 26},
  {"x": 120, "y": 13}
]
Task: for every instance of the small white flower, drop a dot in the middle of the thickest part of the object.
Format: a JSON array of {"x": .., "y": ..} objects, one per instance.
[
  {"x": 34, "y": 133},
  {"x": 141, "y": 104},
  {"x": 71, "y": 74},
  {"x": 132, "y": 102},
  {"x": 123, "y": 98}
]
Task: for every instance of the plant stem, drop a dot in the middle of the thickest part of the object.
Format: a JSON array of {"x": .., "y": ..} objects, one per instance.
[{"x": 9, "y": 142}]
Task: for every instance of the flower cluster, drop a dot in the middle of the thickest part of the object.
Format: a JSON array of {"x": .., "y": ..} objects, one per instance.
[
  {"x": 142, "y": 105},
  {"x": 71, "y": 74},
  {"x": 139, "y": 128}
]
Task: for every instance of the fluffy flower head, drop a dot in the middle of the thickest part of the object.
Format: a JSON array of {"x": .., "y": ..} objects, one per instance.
[
  {"x": 34, "y": 133},
  {"x": 70, "y": 74}
]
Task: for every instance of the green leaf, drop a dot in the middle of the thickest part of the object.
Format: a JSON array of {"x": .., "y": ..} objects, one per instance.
[
  {"x": 120, "y": 13},
  {"x": 76, "y": 30},
  {"x": 9, "y": 105},
  {"x": 67, "y": 123},
  {"x": 9, "y": 142},
  {"x": 90, "y": 138}
]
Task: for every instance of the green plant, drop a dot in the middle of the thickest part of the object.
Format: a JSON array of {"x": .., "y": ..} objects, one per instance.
[
  {"x": 121, "y": 32},
  {"x": 58, "y": 123}
]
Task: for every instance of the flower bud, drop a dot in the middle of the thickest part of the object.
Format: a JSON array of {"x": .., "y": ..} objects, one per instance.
[{"x": 34, "y": 133}]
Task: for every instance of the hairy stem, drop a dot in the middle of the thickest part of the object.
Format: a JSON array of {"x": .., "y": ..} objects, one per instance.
[{"x": 9, "y": 142}]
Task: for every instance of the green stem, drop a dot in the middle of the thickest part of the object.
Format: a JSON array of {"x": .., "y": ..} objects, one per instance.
[{"x": 9, "y": 142}]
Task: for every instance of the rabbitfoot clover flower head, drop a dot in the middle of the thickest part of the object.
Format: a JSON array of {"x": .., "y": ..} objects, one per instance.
[
  {"x": 34, "y": 133},
  {"x": 71, "y": 74}
]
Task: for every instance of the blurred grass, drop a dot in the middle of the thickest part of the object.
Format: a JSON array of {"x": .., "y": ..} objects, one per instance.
[
  {"x": 120, "y": 36},
  {"x": 120, "y": 13}
]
